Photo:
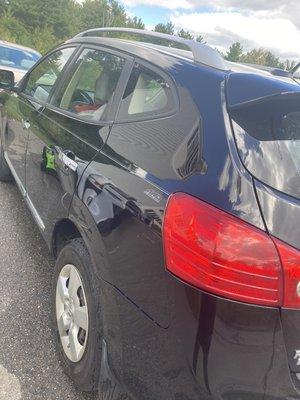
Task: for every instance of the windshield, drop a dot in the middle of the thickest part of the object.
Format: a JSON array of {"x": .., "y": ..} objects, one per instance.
[
  {"x": 267, "y": 133},
  {"x": 15, "y": 58}
]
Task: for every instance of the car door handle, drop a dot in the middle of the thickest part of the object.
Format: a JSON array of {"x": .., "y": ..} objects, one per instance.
[
  {"x": 25, "y": 124},
  {"x": 68, "y": 159}
]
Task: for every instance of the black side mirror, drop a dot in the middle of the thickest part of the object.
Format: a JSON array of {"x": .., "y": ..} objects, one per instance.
[{"x": 7, "y": 79}]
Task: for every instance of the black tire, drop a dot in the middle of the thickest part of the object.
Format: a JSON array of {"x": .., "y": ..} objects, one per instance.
[
  {"x": 84, "y": 373},
  {"x": 5, "y": 174}
]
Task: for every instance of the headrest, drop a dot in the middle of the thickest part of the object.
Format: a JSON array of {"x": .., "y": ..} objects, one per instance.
[{"x": 103, "y": 90}]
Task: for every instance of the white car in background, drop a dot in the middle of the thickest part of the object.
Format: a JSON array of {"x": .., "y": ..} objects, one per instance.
[{"x": 16, "y": 58}]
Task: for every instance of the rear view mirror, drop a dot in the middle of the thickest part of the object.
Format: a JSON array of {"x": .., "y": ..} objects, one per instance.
[{"x": 7, "y": 79}]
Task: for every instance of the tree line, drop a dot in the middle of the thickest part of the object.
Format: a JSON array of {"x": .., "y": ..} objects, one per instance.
[
  {"x": 44, "y": 24},
  {"x": 260, "y": 56}
]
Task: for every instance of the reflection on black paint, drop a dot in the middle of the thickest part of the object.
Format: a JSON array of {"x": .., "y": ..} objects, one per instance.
[{"x": 207, "y": 317}]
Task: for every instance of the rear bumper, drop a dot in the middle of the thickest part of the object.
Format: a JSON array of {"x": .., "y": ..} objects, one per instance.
[
  {"x": 214, "y": 349},
  {"x": 235, "y": 351}
]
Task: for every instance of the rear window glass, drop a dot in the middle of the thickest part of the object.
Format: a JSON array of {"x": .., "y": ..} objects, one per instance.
[
  {"x": 270, "y": 119},
  {"x": 147, "y": 94},
  {"x": 267, "y": 134}
]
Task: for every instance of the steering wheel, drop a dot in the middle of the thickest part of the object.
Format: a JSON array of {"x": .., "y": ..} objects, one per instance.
[{"x": 81, "y": 96}]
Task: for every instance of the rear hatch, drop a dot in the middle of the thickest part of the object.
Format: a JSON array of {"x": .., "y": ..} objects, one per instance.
[
  {"x": 267, "y": 133},
  {"x": 265, "y": 118}
]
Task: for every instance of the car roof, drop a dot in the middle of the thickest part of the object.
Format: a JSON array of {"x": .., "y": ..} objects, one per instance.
[
  {"x": 153, "y": 53},
  {"x": 157, "y": 53},
  {"x": 18, "y": 47},
  {"x": 202, "y": 53}
]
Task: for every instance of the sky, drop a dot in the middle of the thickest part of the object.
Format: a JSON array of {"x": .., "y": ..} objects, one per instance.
[{"x": 272, "y": 24}]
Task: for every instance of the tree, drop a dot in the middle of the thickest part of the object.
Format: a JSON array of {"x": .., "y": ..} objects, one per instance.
[
  {"x": 200, "y": 39},
  {"x": 58, "y": 14},
  {"x": 290, "y": 64},
  {"x": 94, "y": 14},
  {"x": 12, "y": 29},
  {"x": 185, "y": 34},
  {"x": 43, "y": 24},
  {"x": 262, "y": 57},
  {"x": 272, "y": 60},
  {"x": 118, "y": 16},
  {"x": 135, "y": 22},
  {"x": 43, "y": 39},
  {"x": 235, "y": 52},
  {"x": 165, "y": 28},
  {"x": 103, "y": 13},
  {"x": 3, "y": 6}
]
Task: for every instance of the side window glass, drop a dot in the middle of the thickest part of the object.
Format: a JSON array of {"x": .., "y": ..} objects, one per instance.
[
  {"x": 43, "y": 77},
  {"x": 92, "y": 84},
  {"x": 146, "y": 94}
]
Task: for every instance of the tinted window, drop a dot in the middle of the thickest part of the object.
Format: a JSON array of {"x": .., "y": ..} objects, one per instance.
[
  {"x": 272, "y": 119},
  {"x": 43, "y": 77},
  {"x": 15, "y": 58},
  {"x": 147, "y": 93},
  {"x": 268, "y": 138},
  {"x": 92, "y": 84}
]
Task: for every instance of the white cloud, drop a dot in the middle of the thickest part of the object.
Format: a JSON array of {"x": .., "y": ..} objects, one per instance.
[
  {"x": 150, "y": 27},
  {"x": 274, "y": 25},
  {"x": 287, "y": 7},
  {"x": 252, "y": 29},
  {"x": 170, "y": 4}
]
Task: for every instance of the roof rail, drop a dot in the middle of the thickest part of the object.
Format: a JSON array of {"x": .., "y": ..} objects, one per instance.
[{"x": 201, "y": 52}]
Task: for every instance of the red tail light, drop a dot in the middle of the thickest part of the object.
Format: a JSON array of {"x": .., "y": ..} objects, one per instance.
[
  {"x": 290, "y": 259},
  {"x": 220, "y": 253}
]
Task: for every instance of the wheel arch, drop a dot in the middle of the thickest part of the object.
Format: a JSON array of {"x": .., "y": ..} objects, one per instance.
[
  {"x": 80, "y": 224},
  {"x": 64, "y": 231}
]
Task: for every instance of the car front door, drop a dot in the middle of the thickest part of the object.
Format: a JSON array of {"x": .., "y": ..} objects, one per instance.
[
  {"x": 23, "y": 107},
  {"x": 68, "y": 133},
  {"x": 16, "y": 112}
]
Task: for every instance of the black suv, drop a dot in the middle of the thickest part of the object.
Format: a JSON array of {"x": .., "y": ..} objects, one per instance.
[{"x": 165, "y": 182}]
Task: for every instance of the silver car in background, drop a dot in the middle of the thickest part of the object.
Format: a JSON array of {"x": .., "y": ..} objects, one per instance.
[{"x": 16, "y": 58}]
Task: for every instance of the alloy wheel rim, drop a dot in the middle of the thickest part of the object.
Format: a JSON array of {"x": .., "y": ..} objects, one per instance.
[{"x": 72, "y": 313}]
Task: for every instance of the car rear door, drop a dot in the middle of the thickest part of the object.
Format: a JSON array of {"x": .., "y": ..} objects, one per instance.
[
  {"x": 154, "y": 144},
  {"x": 149, "y": 144},
  {"x": 68, "y": 133}
]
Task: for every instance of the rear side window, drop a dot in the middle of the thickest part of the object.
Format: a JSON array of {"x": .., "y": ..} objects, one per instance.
[
  {"x": 147, "y": 94},
  {"x": 91, "y": 85},
  {"x": 267, "y": 134}
]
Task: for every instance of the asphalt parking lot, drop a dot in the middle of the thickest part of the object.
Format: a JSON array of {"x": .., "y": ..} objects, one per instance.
[{"x": 29, "y": 366}]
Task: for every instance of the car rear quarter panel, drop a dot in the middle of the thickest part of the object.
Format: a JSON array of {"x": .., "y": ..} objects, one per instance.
[{"x": 281, "y": 213}]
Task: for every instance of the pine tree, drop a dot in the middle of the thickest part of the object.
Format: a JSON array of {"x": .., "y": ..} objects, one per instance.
[
  {"x": 262, "y": 57},
  {"x": 200, "y": 39},
  {"x": 185, "y": 34},
  {"x": 165, "y": 28},
  {"x": 235, "y": 52}
]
